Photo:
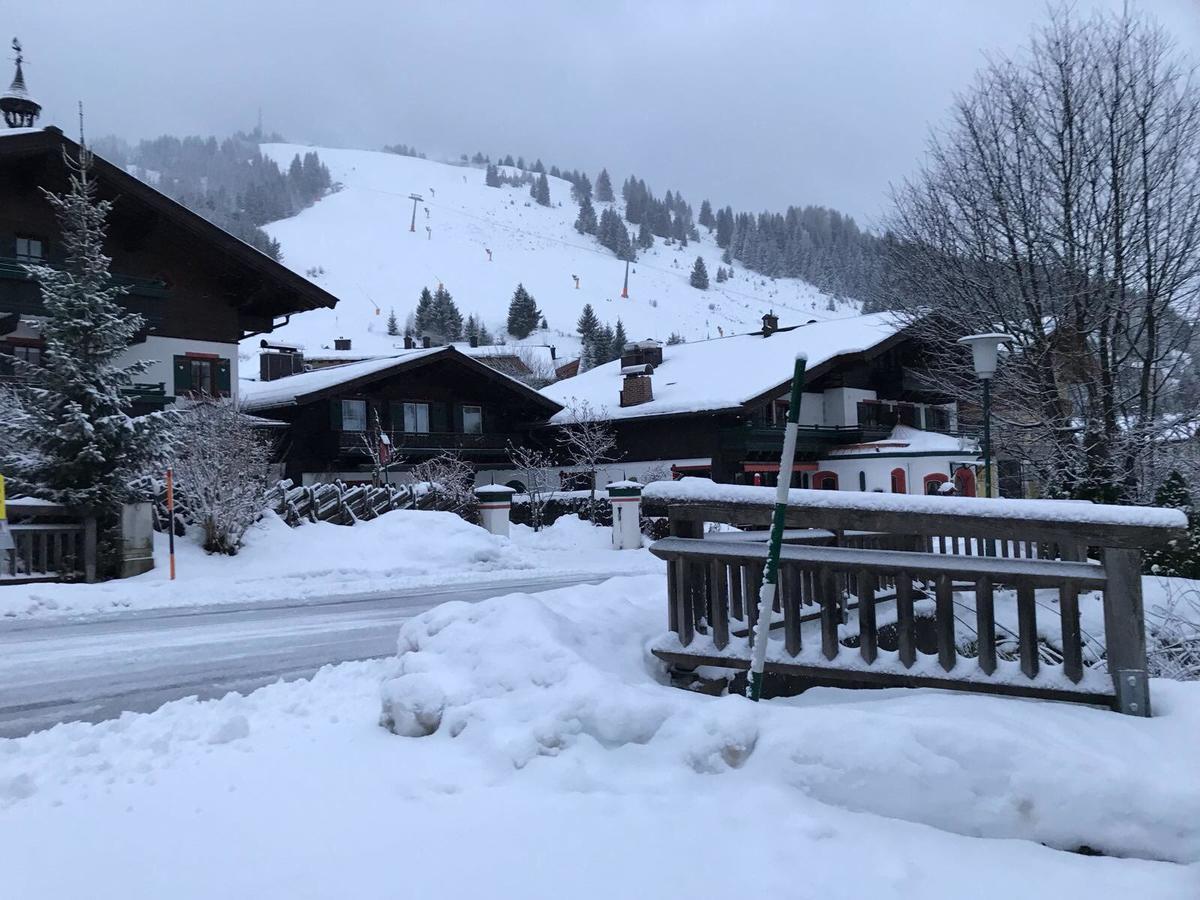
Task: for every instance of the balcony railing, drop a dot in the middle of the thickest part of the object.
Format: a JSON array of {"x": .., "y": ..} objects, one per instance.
[
  {"x": 12, "y": 268},
  {"x": 811, "y": 438},
  {"x": 352, "y": 442}
]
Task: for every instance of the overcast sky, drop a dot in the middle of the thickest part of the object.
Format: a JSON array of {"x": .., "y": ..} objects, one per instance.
[{"x": 757, "y": 104}]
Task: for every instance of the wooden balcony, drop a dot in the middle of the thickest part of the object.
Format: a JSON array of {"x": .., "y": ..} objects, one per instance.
[{"x": 350, "y": 443}]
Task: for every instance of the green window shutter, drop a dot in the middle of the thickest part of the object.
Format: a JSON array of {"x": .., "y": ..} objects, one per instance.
[
  {"x": 222, "y": 385},
  {"x": 458, "y": 418},
  {"x": 439, "y": 417},
  {"x": 396, "y": 416},
  {"x": 183, "y": 376},
  {"x": 335, "y": 415}
]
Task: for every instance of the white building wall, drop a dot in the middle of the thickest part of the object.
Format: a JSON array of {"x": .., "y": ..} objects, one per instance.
[
  {"x": 162, "y": 352},
  {"x": 841, "y": 405},
  {"x": 879, "y": 471},
  {"x": 812, "y": 409}
]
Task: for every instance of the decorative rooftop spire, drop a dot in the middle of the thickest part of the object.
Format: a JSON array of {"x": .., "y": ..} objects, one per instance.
[{"x": 20, "y": 110}]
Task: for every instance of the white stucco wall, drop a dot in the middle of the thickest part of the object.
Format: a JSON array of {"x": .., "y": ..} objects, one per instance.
[
  {"x": 841, "y": 405},
  {"x": 879, "y": 471},
  {"x": 163, "y": 350}
]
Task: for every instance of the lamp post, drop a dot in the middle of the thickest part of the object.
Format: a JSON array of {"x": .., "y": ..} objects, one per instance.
[{"x": 984, "y": 350}]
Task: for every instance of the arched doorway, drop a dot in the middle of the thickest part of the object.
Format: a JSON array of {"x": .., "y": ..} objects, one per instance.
[
  {"x": 933, "y": 481},
  {"x": 899, "y": 481},
  {"x": 825, "y": 481},
  {"x": 964, "y": 482}
]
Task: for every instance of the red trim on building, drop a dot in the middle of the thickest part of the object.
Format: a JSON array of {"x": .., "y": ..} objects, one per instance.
[
  {"x": 818, "y": 481},
  {"x": 935, "y": 478},
  {"x": 774, "y": 467},
  {"x": 899, "y": 481}
]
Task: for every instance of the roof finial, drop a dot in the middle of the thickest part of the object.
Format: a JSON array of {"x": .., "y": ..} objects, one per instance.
[{"x": 20, "y": 110}]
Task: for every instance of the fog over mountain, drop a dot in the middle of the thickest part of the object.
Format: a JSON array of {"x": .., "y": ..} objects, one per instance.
[{"x": 757, "y": 104}]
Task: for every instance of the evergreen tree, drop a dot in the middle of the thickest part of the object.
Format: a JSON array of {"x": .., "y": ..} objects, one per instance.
[
  {"x": 448, "y": 320},
  {"x": 619, "y": 341},
  {"x": 523, "y": 314},
  {"x": 604, "y": 190},
  {"x": 581, "y": 189},
  {"x": 588, "y": 324},
  {"x": 706, "y": 216},
  {"x": 587, "y": 353},
  {"x": 603, "y": 342},
  {"x": 538, "y": 167},
  {"x": 645, "y": 238},
  {"x": 721, "y": 276},
  {"x": 393, "y": 327},
  {"x": 84, "y": 447},
  {"x": 521, "y": 163},
  {"x": 541, "y": 190},
  {"x": 1180, "y": 558},
  {"x": 508, "y": 161},
  {"x": 699, "y": 277},
  {"x": 492, "y": 177},
  {"x": 425, "y": 321},
  {"x": 675, "y": 338},
  {"x": 585, "y": 222}
]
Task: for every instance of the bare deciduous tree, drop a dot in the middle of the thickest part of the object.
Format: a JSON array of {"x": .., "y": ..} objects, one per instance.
[
  {"x": 222, "y": 468},
  {"x": 589, "y": 442},
  {"x": 450, "y": 481},
  {"x": 533, "y": 467},
  {"x": 1062, "y": 206}
]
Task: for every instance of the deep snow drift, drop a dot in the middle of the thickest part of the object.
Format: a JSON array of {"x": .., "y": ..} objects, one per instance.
[
  {"x": 401, "y": 549},
  {"x": 359, "y": 237},
  {"x": 560, "y": 766}
]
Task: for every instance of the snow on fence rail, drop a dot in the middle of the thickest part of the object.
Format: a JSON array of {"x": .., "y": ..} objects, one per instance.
[
  {"x": 51, "y": 543},
  {"x": 929, "y": 567}
]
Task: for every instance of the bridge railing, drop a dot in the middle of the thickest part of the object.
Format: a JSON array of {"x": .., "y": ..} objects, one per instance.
[
  {"x": 887, "y": 589},
  {"x": 51, "y": 543}
]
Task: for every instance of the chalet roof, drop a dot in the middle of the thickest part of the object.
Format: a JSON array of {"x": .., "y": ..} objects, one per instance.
[
  {"x": 280, "y": 291},
  {"x": 294, "y": 390},
  {"x": 729, "y": 373}
]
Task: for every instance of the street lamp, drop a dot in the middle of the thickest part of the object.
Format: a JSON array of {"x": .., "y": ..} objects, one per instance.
[{"x": 984, "y": 350}]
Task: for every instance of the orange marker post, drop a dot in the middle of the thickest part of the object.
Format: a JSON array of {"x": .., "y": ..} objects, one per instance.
[{"x": 171, "y": 518}]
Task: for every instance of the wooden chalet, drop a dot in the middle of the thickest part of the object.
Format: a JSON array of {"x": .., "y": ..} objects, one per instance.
[
  {"x": 200, "y": 289},
  {"x": 717, "y": 408},
  {"x": 423, "y": 402}
]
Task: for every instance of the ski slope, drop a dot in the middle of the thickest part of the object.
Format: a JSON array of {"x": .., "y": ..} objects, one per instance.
[{"x": 358, "y": 241}]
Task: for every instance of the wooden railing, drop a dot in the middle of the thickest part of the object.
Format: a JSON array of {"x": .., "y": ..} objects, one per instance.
[
  {"x": 336, "y": 502},
  {"x": 957, "y": 593},
  {"x": 50, "y": 544}
]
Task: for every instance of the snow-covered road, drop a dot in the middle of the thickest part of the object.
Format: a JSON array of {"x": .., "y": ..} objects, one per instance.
[{"x": 96, "y": 667}]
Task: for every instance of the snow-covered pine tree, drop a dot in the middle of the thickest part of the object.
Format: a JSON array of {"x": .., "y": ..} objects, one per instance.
[
  {"x": 393, "y": 326},
  {"x": 721, "y": 276},
  {"x": 523, "y": 314},
  {"x": 587, "y": 323},
  {"x": 541, "y": 190},
  {"x": 492, "y": 176},
  {"x": 619, "y": 341},
  {"x": 699, "y": 277},
  {"x": 585, "y": 222},
  {"x": 604, "y": 190},
  {"x": 425, "y": 319},
  {"x": 448, "y": 320},
  {"x": 604, "y": 344},
  {"x": 645, "y": 238},
  {"x": 581, "y": 189},
  {"x": 1181, "y": 557},
  {"x": 706, "y": 215},
  {"x": 87, "y": 449}
]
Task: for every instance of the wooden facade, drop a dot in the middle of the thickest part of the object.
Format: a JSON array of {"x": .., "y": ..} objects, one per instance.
[
  {"x": 200, "y": 289},
  {"x": 434, "y": 402}
]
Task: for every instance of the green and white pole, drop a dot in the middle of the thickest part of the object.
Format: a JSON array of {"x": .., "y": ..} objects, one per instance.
[{"x": 766, "y": 596}]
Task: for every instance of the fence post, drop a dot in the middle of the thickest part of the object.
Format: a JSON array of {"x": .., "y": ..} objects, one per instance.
[
  {"x": 89, "y": 549},
  {"x": 1125, "y": 630},
  {"x": 495, "y": 507},
  {"x": 626, "y": 500}
]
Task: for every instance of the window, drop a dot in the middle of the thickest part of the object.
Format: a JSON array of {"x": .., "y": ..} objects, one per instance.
[
  {"x": 30, "y": 249},
  {"x": 899, "y": 482},
  {"x": 354, "y": 415},
  {"x": 202, "y": 376},
  {"x": 937, "y": 419},
  {"x": 825, "y": 481},
  {"x": 472, "y": 419},
  {"x": 416, "y": 418},
  {"x": 862, "y": 480}
]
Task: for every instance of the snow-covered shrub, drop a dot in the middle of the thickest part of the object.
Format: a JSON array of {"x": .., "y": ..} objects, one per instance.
[
  {"x": 451, "y": 482},
  {"x": 1173, "y": 633},
  {"x": 222, "y": 465}
]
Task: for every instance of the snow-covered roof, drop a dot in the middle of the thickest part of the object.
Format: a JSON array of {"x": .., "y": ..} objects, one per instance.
[
  {"x": 906, "y": 439},
  {"x": 286, "y": 391},
  {"x": 725, "y": 373},
  {"x": 293, "y": 389}
]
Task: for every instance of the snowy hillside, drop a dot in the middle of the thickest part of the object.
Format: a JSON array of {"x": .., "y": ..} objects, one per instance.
[{"x": 360, "y": 238}]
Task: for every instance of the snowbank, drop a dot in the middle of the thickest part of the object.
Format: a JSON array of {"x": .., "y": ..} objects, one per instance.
[
  {"x": 560, "y": 766},
  {"x": 566, "y": 675},
  {"x": 404, "y": 548}
]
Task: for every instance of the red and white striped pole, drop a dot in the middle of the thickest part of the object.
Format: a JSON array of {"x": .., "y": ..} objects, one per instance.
[{"x": 171, "y": 518}]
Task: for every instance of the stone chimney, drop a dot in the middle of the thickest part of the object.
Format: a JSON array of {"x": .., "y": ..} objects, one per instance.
[
  {"x": 426, "y": 342},
  {"x": 770, "y": 323},
  {"x": 636, "y": 387},
  {"x": 641, "y": 353},
  {"x": 474, "y": 340},
  {"x": 341, "y": 344}
]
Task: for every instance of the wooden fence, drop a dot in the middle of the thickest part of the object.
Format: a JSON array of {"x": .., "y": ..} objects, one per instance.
[
  {"x": 335, "y": 502},
  {"x": 50, "y": 544},
  {"x": 924, "y": 580}
]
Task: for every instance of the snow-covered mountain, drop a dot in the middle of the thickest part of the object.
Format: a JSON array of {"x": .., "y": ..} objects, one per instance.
[{"x": 357, "y": 244}]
